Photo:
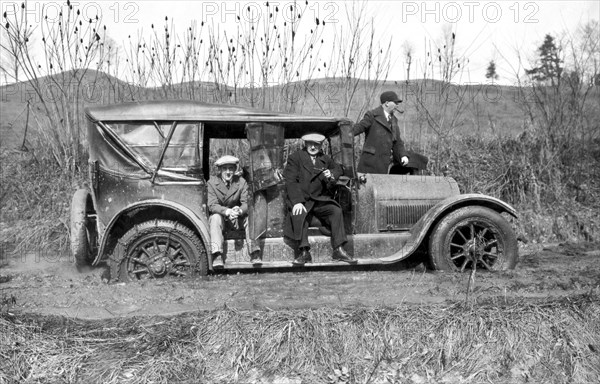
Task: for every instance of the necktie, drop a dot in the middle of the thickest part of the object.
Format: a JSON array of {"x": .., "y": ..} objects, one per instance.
[{"x": 312, "y": 158}]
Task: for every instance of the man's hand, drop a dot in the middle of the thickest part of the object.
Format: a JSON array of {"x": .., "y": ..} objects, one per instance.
[
  {"x": 298, "y": 209},
  {"x": 328, "y": 175},
  {"x": 233, "y": 213},
  {"x": 404, "y": 160}
]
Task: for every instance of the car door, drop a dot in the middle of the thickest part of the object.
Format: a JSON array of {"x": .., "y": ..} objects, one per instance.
[
  {"x": 267, "y": 188},
  {"x": 341, "y": 149}
]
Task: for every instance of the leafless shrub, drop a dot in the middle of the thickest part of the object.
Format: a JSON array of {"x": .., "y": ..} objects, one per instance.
[{"x": 71, "y": 47}]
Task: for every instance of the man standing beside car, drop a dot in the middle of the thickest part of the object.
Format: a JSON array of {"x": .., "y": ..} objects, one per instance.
[
  {"x": 307, "y": 175},
  {"x": 228, "y": 205},
  {"x": 382, "y": 141}
]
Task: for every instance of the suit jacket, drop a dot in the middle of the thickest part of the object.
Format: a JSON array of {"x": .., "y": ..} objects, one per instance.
[
  {"x": 306, "y": 184},
  {"x": 382, "y": 139},
  {"x": 220, "y": 198}
]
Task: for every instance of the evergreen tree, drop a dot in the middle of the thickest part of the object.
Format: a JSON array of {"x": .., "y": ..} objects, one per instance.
[
  {"x": 549, "y": 63},
  {"x": 491, "y": 71}
]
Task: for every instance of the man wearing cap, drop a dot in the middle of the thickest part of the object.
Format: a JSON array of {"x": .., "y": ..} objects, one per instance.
[
  {"x": 307, "y": 174},
  {"x": 382, "y": 136},
  {"x": 227, "y": 205}
]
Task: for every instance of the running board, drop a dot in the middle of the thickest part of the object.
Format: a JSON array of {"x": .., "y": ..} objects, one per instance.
[
  {"x": 286, "y": 264},
  {"x": 379, "y": 248}
]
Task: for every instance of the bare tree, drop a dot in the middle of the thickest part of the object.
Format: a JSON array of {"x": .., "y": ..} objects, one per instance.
[
  {"x": 440, "y": 102},
  {"x": 408, "y": 51},
  {"x": 71, "y": 47}
]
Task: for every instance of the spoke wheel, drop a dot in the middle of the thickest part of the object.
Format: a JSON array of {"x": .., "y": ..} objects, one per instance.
[
  {"x": 473, "y": 237},
  {"x": 83, "y": 231},
  {"x": 159, "y": 249}
]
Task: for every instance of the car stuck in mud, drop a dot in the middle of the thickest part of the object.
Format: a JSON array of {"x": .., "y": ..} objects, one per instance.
[{"x": 144, "y": 210}]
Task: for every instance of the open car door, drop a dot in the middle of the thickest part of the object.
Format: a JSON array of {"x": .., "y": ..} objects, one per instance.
[{"x": 265, "y": 179}]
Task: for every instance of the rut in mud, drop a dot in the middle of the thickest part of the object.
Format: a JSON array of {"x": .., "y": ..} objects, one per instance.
[{"x": 51, "y": 285}]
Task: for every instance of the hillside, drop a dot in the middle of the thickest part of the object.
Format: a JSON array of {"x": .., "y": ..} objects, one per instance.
[{"x": 482, "y": 109}]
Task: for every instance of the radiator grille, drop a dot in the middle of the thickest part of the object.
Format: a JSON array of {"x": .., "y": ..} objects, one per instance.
[{"x": 394, "y": 216}]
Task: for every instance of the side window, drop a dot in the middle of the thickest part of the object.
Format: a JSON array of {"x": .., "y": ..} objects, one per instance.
[
  {"x": 342, "y": 149},
  {"x": 184, "y": 148},
  {"x": 144, "y": 138},
  {"x": 266, "y": 154},
  {"x": 147, "y": 139},
  {"x": 336, "y": 148}
]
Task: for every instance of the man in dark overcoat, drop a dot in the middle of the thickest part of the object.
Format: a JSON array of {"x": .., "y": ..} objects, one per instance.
[
  {"x": 307, "y": 175},
  {"x": 382, "y": 139}
]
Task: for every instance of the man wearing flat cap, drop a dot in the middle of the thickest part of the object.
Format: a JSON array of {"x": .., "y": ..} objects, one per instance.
[
  {"x": 307, "y": 175},
  {"x": 228, "y": 206},
  {"x": 382, "y": 141}
]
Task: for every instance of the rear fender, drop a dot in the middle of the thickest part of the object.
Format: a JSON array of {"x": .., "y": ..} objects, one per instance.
[
  {"x": 422, "y": 228},
  {"x": 199, "y": 224}
]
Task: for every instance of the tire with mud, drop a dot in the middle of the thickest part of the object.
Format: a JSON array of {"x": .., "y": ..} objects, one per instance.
[
  {"x": 158, "y": 249},
  {"x": 473, "y": 235},
  {"x": 80, "y": 236}
]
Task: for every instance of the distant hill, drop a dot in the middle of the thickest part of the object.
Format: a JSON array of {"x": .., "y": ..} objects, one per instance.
[{"x": 487, "y": 108}]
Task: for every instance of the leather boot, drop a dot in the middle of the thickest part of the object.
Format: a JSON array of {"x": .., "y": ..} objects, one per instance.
[
  {"x": 255, "y": 258},
  {"x": 340, "y": 254},
  {"x": 217, "y": 261},
  {"x": 303, "y": 257}
]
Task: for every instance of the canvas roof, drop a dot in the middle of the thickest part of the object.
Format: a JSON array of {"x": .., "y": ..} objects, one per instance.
[{"x": 187, "y": 110}]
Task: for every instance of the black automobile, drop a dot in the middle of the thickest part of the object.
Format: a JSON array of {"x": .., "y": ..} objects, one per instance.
[{"x": 145, "y": 211}]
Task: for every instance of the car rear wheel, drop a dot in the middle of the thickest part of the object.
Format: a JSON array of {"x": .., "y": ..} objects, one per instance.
[
  {"x": 81, "y": 246},
  {"x": 158, "y": 249},
  {"x": 473, "y": 236}
]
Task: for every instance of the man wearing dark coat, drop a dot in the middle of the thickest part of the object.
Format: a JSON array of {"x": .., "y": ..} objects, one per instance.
[
  {"x": 307, "y": 175},
  {"x": 382, "y": 141}
]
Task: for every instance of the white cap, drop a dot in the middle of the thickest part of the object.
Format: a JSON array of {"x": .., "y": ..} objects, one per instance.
[
  {"x": 314, "y": 137},
  {"x": 227, "y": 159}
]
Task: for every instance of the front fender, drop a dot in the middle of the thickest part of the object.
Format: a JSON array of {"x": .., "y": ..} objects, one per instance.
[
  {"x": 199, "y": 224},
  {"x": 422, "y": 227}
]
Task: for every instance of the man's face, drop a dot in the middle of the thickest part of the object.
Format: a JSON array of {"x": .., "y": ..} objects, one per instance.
[
  {"x": 312, "y": 148},
  {"x": 389, "y": 106},
  {"x": 227, "y": 172}
]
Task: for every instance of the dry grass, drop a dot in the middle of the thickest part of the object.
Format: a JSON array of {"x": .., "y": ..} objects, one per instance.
[
  {"x": 556, "y": 201},
  {"x": 551, "y": 341},
  {"x": 35, "y": 198}
]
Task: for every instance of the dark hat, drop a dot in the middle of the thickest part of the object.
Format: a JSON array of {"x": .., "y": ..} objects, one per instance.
[
  {"x": 314, "y": 137},
  {"x": 389, "y": 96}
]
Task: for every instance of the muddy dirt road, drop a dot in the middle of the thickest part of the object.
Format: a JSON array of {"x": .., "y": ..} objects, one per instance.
[{"x": 51, "y": 285}]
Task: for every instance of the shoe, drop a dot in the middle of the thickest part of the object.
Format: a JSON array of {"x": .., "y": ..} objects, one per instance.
[
  {"x": 255, "y": 258},
  {"x": 340, "y": 254},
  {"x": 303, "y": 257},
  {"x": 217, "y": 260}
]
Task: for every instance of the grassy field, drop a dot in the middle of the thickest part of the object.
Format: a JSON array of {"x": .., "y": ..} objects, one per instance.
[{"x": 546, "y": 341}]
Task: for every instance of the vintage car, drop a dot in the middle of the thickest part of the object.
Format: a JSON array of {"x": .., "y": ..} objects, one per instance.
[{"x": 144, "y": 212}]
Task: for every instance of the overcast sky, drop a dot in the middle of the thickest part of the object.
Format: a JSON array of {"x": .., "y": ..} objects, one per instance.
[{"x": 485, "y": 30}]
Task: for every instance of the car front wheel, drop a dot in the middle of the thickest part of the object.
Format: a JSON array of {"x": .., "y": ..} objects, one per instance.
[
  {"x": 473, "y": 236},
  {"x": 82, "y": 233},
  {"x": 158, "y": 249}
]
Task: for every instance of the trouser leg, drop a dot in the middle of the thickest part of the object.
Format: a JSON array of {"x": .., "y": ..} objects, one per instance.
[
  {"x": 332, "y": 215},
  {"x": 215, "y": 224},
  {"x": 250, "y": 243},
  {"x": 300, "y": 223}
]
